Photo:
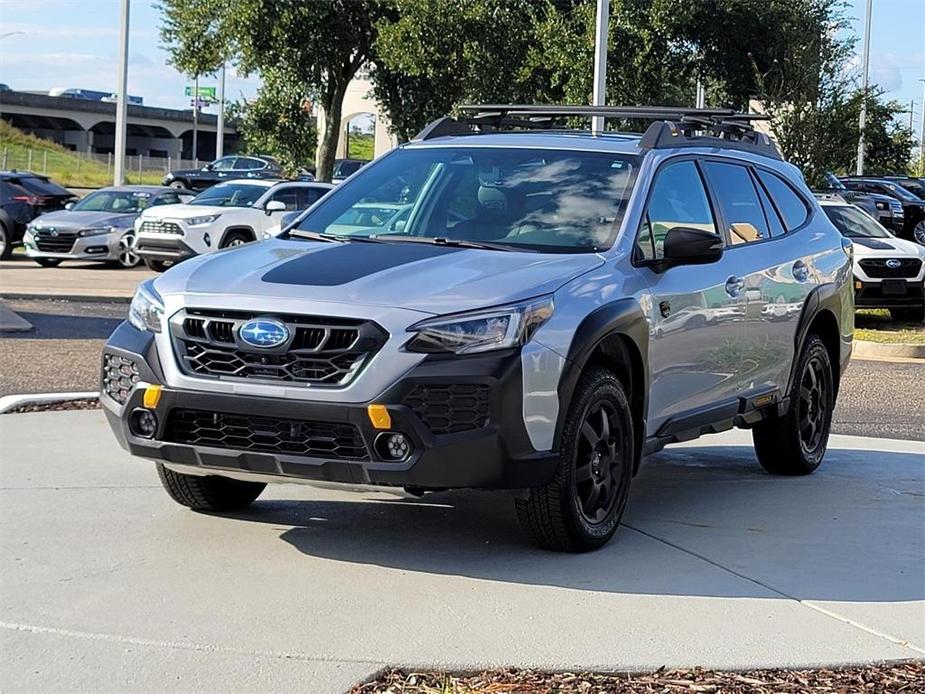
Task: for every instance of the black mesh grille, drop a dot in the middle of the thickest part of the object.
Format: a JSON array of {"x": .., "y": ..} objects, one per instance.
[
  {"x": 878, "y": 267},
  {"x": 61, "y": 243},
  {"x": 331, "y": 440},
  {"x": 451, "y": 408},
  {"x": 119, "y": 377}
]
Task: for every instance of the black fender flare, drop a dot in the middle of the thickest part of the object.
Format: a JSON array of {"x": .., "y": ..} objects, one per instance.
[
  {"x": 825, "y": 297},
  {"x": 625, "y": 318},
  {"x": 230, "y": 230}
]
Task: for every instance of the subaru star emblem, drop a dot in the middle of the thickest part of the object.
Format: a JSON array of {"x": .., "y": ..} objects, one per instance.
[
  {"x": 893, "y": 263},
  {"x": 263, "y": 332}
]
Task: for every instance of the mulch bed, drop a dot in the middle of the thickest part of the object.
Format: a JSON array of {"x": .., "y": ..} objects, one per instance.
[
  {"x": 895, "y": 677},
  {"x": 86, "y": 404}
]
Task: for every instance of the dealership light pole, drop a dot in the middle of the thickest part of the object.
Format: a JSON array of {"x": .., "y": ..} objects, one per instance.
[
  {"x": 220, "y": 132},
  {"x": 922, "y": 135},
  {"x": 118, "y": 176},
  {"x": 600, "y": 63},
  {"x": 863, "y": 119}
]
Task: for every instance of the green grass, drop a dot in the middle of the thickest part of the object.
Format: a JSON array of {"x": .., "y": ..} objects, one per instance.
[
  {"x": 876, "y": 325},
  {"x": 59, "y": 162},
  {"x": 361, "y": 146}
]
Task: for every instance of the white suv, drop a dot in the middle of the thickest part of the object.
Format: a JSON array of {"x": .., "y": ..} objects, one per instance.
[{"x": 228, "y": 214}]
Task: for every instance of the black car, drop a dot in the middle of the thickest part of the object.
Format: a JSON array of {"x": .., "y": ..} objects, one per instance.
[
  {"x": 24, "y": 196},
  {"x": 913, "y": 206},
  {"x": 884, "y": 208},
  {"x": 224, "y": 169},
  {"x": 914, "y": 185}
]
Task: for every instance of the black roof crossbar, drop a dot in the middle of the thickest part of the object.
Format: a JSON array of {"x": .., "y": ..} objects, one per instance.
[{"x": 672, "y": 126}]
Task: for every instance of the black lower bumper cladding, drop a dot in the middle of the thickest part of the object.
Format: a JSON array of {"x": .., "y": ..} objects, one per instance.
[{"x": 487, "y": 447}]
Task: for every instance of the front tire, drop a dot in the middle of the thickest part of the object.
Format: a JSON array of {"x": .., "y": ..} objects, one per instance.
[
  {"x": 235, "y": 239},
  {"x": 128, "y": 258},
  {"x": 48, "y": 262},
  {"x": 208, "y": 493},
  {"x": 580, "y": 509},
  {"x": 179, "y": 184},
  {"x": 795, "y": 443},
  {"x": 157, "y": 265}
]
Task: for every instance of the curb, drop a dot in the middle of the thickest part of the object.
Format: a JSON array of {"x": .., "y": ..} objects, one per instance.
[
  {"x": 9, "y": 402},
  {"x": 865, "y": 348},
  {"x": 93, "y": 298}
]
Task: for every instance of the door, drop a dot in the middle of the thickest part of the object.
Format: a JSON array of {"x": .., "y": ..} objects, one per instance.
[
  {"x": 696, "y": 310},
  {"x": 224, "y": 169},
  {"x": 760, "y": 211}
]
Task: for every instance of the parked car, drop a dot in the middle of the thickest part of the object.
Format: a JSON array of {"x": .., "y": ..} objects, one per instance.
[
  {"x": 225, "y": 169},
  {"x": 98, "y": 227},
  {"x": 884, "y": 208},
  {"x": 507, "y": 336},
  {"x": 45, "y": 195},
  {"x": 888, "y": 272},
  {"x": 913, "y": 207},
  {"x": 343, "y": 168},
  {"x": 225, "y": 215},
  {"x": 289, "y": 217},
  {"x": 16, "y": 211},
  {"x": 914, "y": 185}
]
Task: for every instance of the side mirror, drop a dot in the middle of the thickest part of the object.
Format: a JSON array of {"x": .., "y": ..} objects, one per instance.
[
  {"x": 69, "y": 205},
  {"x": 690, "y": 246},
  {"x": 275, "y": 206}
]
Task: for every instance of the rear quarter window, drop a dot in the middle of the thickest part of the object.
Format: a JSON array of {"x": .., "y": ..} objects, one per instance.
[
  {"x": 788, "y": 202},
  {"x": 41, "y": 186}
]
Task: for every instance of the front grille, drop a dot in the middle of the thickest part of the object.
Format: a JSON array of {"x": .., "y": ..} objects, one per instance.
[
  {"x": 331, "y": 440},
  {"x": 877, "y": 267},
  {"x": 59, "y": 242},
  {"x": 451, "y": 408},
  {"x": 322, "y": 351},
  {"x": 157, "y": 226},
  {"x": 119, "y": 377}
]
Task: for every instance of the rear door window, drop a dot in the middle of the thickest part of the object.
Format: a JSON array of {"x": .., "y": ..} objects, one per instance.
[
  {"x": 738, "y": 200},
  {"x": 790, "y": 205},
  {"x": 42, "y": 186}
]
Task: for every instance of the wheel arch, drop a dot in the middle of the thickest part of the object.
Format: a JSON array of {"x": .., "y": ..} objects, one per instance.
[
  {"x": 242, "y": 228},
  {"x": 614, "y": 336},
  {"x": 823, "y": 306}
]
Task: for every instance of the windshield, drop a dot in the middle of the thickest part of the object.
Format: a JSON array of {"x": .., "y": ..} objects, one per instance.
[
  {"x": 230, "y": 195},
  {"x": 114, "y": 201},
  {"x": 900, "y": 192},
  {"x": 853, "y": 223},
  {"x": 914, "y": 187},
  {"x": 542, "y": 200}
]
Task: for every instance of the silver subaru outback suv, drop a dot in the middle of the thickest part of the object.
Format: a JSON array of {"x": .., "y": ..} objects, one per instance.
[{"x": 501, "y": 304}]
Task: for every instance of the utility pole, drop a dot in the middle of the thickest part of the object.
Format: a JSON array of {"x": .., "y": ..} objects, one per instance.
[
  {"x": 195, "y": 118},
  {"x": 922, "y": 135},
  {"x": 600, "y": 62},
  {"x": 220, "y": 134},
  {"x": 118, "y": 176},
  {"x": 866, "y": 66}
]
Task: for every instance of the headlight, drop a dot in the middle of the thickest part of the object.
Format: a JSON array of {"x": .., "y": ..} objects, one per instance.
[
  {"x": 197, "y": 221},
  {"x": 481, "y": 331},
  {"x": 147, "y": 309},
  {"x": 96, "y": 231},
  {"x": 882, "y": 205}
]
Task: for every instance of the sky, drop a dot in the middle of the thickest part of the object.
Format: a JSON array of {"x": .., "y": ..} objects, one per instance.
[{"x": 74, "y": 43}]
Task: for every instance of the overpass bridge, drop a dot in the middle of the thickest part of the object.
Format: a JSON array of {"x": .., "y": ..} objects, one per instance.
[{"x": 89, "y": 126}]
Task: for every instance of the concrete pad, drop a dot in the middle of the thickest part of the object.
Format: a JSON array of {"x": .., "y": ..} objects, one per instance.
[
  {"x": 22, "y": 276},
  {"x": 12, "y": 322},
  {"x": 719, "y": 565}
]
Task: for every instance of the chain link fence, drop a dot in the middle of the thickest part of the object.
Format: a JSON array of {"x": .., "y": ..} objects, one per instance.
[{"x": 90, "y": 170}]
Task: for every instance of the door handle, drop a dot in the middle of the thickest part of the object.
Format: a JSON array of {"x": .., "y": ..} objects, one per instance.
[
  {"x": 800, "y": 271},
  {"x": 734, "y": 285}
]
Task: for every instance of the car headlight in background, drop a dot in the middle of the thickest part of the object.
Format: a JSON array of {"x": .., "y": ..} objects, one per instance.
[
  {"x": 146, "y": 309},
  {"x": 96, "y": 231},
  {"x": 882, "y": 205},
  {"x": 481, "y": 331},
  {"x": 198, "y": 221}
]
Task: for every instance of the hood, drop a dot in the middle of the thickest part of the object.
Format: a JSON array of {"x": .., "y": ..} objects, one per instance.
[
  {"x": 68, "y": 219},
  {"x": 416, "y": 276},
  {"x": 889, "y": 247},
  {"x": 181, "y": 211}
]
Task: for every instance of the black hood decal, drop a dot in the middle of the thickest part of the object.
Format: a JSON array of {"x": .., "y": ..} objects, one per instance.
[
  {"x": 876, "y": 244},
  {"x": 348, "y": 261}
]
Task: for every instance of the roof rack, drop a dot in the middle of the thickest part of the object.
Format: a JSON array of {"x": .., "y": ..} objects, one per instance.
[{"x": 672, "y": 126}]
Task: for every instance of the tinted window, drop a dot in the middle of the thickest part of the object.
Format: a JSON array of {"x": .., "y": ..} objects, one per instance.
[
  {"x": 224, "y": 164},
  {"x": 770, "y": 212},
  {"x": 738, "y": 200},
  {"x": 309, "y": 196},
  {"x": 248, "y": 164},
  {"x": 288, "y": 196},
  {"x": 785, "y": 199},
  {"x": 230, "y": 195},
  {"x": 853, "y": 223},
  {"x": 42, "y": 186},
  {"x": 485, "y": 194},
  {"x": 166, "y": 199},
  {"x": 678, "y": 199}
]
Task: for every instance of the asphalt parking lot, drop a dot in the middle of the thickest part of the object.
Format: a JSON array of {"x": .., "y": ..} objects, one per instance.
[{"x": 107, "y": 585}]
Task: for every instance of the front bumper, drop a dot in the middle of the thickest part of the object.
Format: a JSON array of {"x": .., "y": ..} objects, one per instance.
[
  {"x": 875, "y": 294},
  {"x": 164, "y": 247},
  {"x": 100, "y": 247},
  {"x": 496, "y": 454}
]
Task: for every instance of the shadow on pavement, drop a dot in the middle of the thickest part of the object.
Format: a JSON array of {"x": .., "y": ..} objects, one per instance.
[
  {"x": 854, "y": 531},
  {"x": 54, "y": 326}
]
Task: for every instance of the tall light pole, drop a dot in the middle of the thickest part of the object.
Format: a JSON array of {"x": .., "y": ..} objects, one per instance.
[
  {"x": 922, "y": 135},
  {"x": 600, "y": 63},
  {"x": 863, "y": 119},
  {"x": 118, "y": 175},
  {"x": 220, "y": 134}
]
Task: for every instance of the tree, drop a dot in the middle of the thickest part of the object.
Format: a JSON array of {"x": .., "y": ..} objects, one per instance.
[{"x": 278, "y": 121}]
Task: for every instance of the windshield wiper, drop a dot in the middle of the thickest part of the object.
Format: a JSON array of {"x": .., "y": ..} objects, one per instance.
[
  {"x": 333, "y": 238},
  {"x": 456, "y": 243}
]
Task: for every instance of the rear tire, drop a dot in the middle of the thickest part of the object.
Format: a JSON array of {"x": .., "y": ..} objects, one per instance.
[
  {"x": 580, "y": 509},
  {"x": 179, "y": 184},
  {"x": 6, "y": 243},
  {"x": 157, "y": 265},
  {"x": 208, "y": 493},
  {"x": 795, "y": 443},
  {"x": 48, "y": 262}
]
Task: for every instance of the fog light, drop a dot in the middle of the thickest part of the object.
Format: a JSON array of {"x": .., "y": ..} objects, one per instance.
[
  {"x": 394, "y": 446},
  {"x": 143, "y": 423}
]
